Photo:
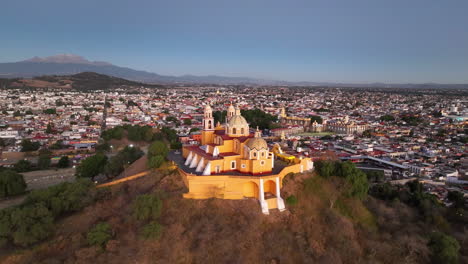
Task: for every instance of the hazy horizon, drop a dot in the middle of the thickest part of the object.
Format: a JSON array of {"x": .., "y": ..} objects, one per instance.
[{"x": 322, "y": 41}]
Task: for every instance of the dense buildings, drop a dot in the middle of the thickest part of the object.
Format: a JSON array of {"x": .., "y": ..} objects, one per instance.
[{"x": 421, "y": 133}]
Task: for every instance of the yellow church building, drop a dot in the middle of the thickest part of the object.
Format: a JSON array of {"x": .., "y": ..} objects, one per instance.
[{"x": 232, "y": 163}]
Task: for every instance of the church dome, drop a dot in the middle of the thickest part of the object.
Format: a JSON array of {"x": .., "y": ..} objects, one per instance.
[
  {"x": 257, "y": 143},
  {"x": 237, "y": 121}
]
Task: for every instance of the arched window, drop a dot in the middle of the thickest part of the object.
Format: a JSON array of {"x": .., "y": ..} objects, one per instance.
[
  {"x": 234, "y": 131},
  {"x": 242, "y": 131}
]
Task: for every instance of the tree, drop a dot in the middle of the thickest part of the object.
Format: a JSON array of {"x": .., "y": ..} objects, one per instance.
[
  {"x": 11, "y": 183},
  {"x": 118, "y": 162},
  {"x": 325, "y": 168},
  {"x": 100, "y": 234},
  {"x": 91, "y": 166},
  {"x": 158, "y": 148},
  {"x": 147, "y": 207},
  {"x": 49, "y": 129},
  {"x": 155, "y": 161},
  {"x": 30, "y": 224},
  {"x": 152, "y": 230},
  {"x": 456, "y": 198},
  {"x": 188, "y": 122},
  {"x": 28, "y": 145},
  {"x": 50, "y": 111},
  {"x": 171, "y": 119},
  {"x": 176, "y": 145},
  {"x": 444, "y": 248},
  {"x": 44, "y": 159},
  {"x": 367, "y": 133},
  {"x": 387, "y": 118},
  {"x": 64, "y": 162},
  {"x": 317, "y": 118},
  {"x": 64, "y": 197},
  {"x": 22, "y": 166}
]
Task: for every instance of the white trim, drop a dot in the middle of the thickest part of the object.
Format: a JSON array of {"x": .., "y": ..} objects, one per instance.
[
  {"x": 189, "y": 159},
  {"x": 193, "y": 164},
  {"x": 279, "y": 200},
  {"x": 200, "y": 165},
  {"x": 207, "y": 170}
]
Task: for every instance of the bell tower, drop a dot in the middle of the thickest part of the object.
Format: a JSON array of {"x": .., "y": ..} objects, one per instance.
[
  {"x": 230, "y": 112},
  {"x": 208, "y": 125},
  {"x": 208, "y": 121}
]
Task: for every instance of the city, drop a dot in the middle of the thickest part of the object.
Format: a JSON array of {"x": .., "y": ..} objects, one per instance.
[{"x": 214, "y": 131}]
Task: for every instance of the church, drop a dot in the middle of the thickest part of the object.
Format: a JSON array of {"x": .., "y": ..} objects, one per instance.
[{"x": 233, "y": 163}]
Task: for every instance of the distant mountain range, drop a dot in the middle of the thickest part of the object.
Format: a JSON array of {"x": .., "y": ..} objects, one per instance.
[{"x": 68, "y": 64}]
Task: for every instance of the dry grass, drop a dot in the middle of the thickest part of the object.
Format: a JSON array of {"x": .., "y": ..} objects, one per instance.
[{"x": 226, "y": 231}]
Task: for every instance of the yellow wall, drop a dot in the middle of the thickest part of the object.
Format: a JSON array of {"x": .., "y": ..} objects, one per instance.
[{"x": 227, "y": 186}]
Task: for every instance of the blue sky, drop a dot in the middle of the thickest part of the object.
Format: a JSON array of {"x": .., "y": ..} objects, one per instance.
[{"x": 359, "y": 41}]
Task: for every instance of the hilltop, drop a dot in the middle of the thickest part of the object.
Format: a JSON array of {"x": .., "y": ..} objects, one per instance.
[
  {"x": 85, "y": 81},
  {"x": 225, "y": 231}
]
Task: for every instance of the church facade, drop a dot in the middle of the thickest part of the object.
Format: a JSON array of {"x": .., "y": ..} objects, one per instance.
[{"x": 233, "y": 163}]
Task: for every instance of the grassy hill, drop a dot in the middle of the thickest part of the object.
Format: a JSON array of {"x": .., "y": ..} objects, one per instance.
[
  {"x": 321, "y": 225},
  {"x": 85, "y": 81}
]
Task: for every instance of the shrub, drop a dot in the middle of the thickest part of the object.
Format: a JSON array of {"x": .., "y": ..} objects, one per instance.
[
  {"x": 11, "y": 183},
  {"x": 146, "y": 207},
  {"x": 158, "y": 148},
  {"x": 152, "y": 230},
  {"x": 22, "y": 166},
  {"x": 28, "y": 145},
  {"x": 62, "y": 198},
  {"x": 99, "y": 235},
  {"x": 444, "y": 248},
  {"x": 118, "y": 162},
  {"x": 63, "y": 162},
  {"x": 291, "y": 200},
  {"x": 91, "y": 166},
  {"x": 25, "y": 225},
  {"x": 155, "y": 162}
]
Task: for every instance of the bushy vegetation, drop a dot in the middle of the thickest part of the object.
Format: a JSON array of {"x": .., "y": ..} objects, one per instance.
[
  {"x": 133, "y": 132},
  {"x": 22, "y": 166},
  {"x": 64, "y": 162},
  {"x": 125, "y": 157},
  {"x": 147, "y": 207},
  {"x": 62, "y": 198},
  {"x": 255, "y": 117},
  {"x": 157, "y": 153},
  {"x": 317, "y": 118},
  {"x": 152, "y": 230},
  {"x": 155, "y": 161},
  {"x": 291, "y": 200},
  {"x": 28, "y": 145},
  {"x": 25, "y": 225},
  {"x": 11, "y": 183},
  {"x": 355, "y": 178},
  {"x": 411, "y": 120},
  {"x": 387, "y": 118},
  {"x": 444, "y": 248},
  {"x": 33, "y": 220},
  {"x": 100, "y": 234},
  {"x": 91, "y": 166}
]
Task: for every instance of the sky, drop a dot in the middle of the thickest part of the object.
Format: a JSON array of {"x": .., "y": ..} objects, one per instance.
[{"x": 353, "y": 41}]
